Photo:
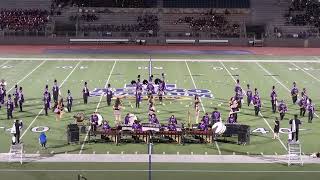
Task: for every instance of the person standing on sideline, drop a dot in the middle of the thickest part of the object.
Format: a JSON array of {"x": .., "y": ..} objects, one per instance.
[
  {"x": 295, "y": 123},
  {"x": 276, "y": 129},
  {"x": 109, "y": 95},
  {"x": 311, "y": 110},
  {"x": 43, "y": 140},
  {"x": 85, "y": 93},
  {"x": 69, "y": 101}
]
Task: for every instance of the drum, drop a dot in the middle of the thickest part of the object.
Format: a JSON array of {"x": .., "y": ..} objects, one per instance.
[
  {"x": 132, "y": 118},
  {"x": 219, "y": 127}
]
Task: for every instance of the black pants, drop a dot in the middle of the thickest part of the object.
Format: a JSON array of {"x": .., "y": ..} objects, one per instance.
[
  {"x": 55, "y": 97},
  {"x": 295, "y": 135},
  {"x": 274, "y": 106},
  {"x": 93, "y": 129},
  {"x": 43, "y": 145},
  {"x": 248, "y": 101},
  {"x": 9, "y": 114},
  {"x": 20, "y": 105},
  {"x": 256, "y": 110},
  {"x": 294, "y": 99},
  {"x": 160, "y": 98},
  {"x": 108, "y": 101},
  {"x": 137, "y": 103},
  {"x": 17, "y": 135},
  {"x": 302, "y": 111},
  {"x": 15, "y": 102},
  {"x": 69, "y": 106},
  {"x": 46, "y": 107},
  {"x": 85, "y": 99},
  {"x": 310, "y": 117},
  {"x": 282, "y": 115}
]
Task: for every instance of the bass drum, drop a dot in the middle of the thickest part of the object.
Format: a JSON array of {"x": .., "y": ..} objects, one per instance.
[
  {"x": 100, "y": 119},
  {"x": 219, "y": 127},
  {"x": 132, "y": 118}
]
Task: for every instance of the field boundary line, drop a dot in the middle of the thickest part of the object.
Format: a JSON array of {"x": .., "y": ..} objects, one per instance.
[
  {"x": 98, "y": 105},
  {"x": 26, "y": 130},
  {"x": 25, "y": 77},
  {"x": 166, "y": 60},
  {"x": 194, "y": 84},
  {"x": 156, "y": 170},
  {"x": 265, "y": 70},
  {"x": 281, "y": 142}
]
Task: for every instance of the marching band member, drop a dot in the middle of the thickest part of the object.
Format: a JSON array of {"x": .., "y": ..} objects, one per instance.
[
  {"x": 173, "y": 120},
  {"x": 10, "y": 107},
  {"x": 206, "y": 119},
  {"x": 59, "y": 109},
  {"x": 21, "y": 98},
  {"x": 94, "y": 122},
  {"x": 55, "y": 91},
  {"x": 231, "y": 118},
  {"x": 69, "y": 101},
  {"x": 249, "y": 95},
  {"x": 127, "y": 119},
  {"x": 256, "y": 103},
  {"x": 294, "y": 93},
  {"x": 276, "y": 129},
  {"x": 234, "y": 106},
  {"x": 109, "y": 94},
  {"x": 106, "y": 127},
  {"x": 282, "y": 109},
  {"x": 153, "y": 119},
  {"x": 16, "y": 96},
  {"x": 46, "y": 102},
  {"x": 172, "y": 126},
  {"x": 117, "y": 111},
  {"x": 136, "y": 126},
  {"x": 152, "y": 109},
  {"x": 2, "y": 95},
  {"x": 138, "y": 93},
  {"x": 161, "y": 89},
  {"x": 295, "y": 123},
  {"x": 273, "y": 96},
  {"x": 303, "y": 105},
  {"x": 215, "y": 116},
  {"x": 202, "y": 126},
  {"x": 150, "y": 90},
  {"x": 197, "y": 107},
  {"x": 85, "y": 93},
  {"x": 311, "y": 110}
]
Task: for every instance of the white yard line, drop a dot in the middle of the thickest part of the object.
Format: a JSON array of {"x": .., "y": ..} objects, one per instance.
[
  {"x": 167, "y": 60},
  {"x": 305, "y": 71},
  {"x": 155, "y": 170},
  {"x": 195, "y": 86},
  {"x": 98, "y": 105},
  {"x": 281, "y": 142},
  {"x": 27, "y": 75},
  {"x": 26, "y": 130},
  {"x": 284, "y": 86}
]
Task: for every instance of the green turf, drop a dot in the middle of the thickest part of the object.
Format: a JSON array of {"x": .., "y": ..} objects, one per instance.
[
  {"x": 204, "y": 75},
  {"x": 97, "y": 171}
]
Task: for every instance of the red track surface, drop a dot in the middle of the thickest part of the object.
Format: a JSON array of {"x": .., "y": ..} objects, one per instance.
[{"x": 276, "y": 51}]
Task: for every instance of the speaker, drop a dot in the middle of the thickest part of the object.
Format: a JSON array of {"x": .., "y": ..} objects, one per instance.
[{"x": 73, "y": 133}]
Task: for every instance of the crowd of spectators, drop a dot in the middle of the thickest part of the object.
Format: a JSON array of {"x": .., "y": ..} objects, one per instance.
[
  {"x": 106, "y": 3},
  {"x": 146, "y": 23},
  {"x": 216, "y": 24},
  {"x": 23, "y": 20},
  {"x": 84, "y": 17},
  {"x": 304, "y": 12}
]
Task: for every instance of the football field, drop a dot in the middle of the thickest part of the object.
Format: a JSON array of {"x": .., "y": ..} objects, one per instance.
[{"x": 215, "y": 75}]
